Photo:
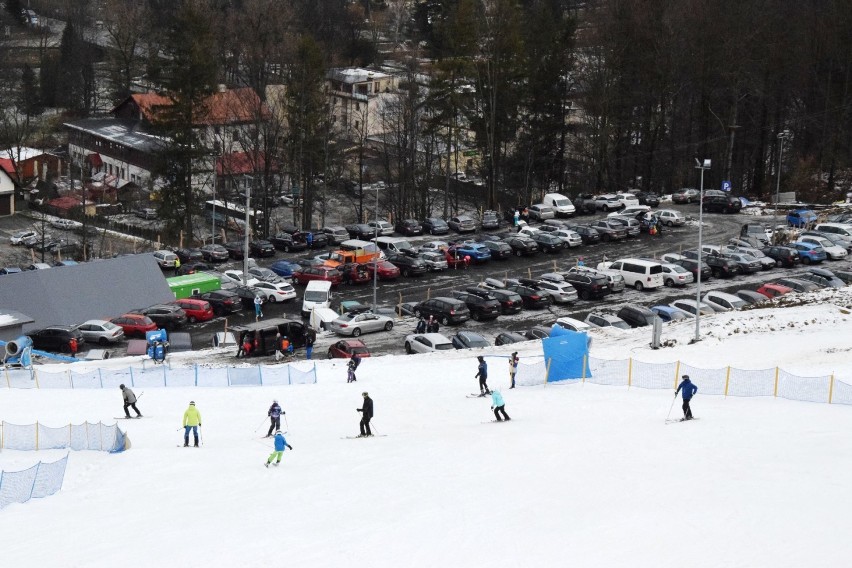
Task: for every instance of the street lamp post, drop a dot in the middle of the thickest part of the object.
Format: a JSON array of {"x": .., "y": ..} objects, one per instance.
[
  {"x": 700, "y": 165},
  {"x": 248, "y": 231},
  {"x": 782, "y": 136},
  {"x": 376, "y": 266}
]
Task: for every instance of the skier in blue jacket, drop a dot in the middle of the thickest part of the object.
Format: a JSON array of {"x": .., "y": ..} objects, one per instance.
[
  {"x": 482, "y": 375},
  {"x": 687, "y": 390},
  {"x": 498, "y": 406},
  {"x": 280, "y": 444}
]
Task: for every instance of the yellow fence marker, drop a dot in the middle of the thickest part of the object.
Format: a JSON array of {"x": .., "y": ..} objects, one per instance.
[
  {"x": 629, "y": 372},
  {"x": 727, "y": 379},
  {"x": 35, "y": 376},
  {"x": 831, "y": 388},
  {"x": 775, "y": 392},
  {"x": 677, "y": 372},
  {"x": 8, "y": 384}
]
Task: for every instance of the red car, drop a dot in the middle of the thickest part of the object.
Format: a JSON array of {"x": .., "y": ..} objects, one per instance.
[
  {"x": 346, "y": 348},
  {"x": 134, "y": 324},
  {"x": 454, "y": 258},
  {"x": 773, "y": 290},
  {"x": 307, "y": 273},
  {"x": 196, "y": 310},
  {"x": 356, "y": 273},
  {"x": 387, "y": 271}
]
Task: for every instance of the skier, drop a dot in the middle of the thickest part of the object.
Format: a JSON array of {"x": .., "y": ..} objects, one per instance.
[
  {"x": 274, "y": 414},
  {"x": 482, "y": 375},
  {"x": 498, "y": 406},
  {"x": 687, "y": 390},
  {"x": 191, "y": 421},
  {"x": 129, "y": 401},
  {"x": 351, "y": 366},
  {"x": 258, "y": 304},
  {"x": 280, "y": 444},
  {"x": 366, "y": 411},
  {"x": 513, "y": 368}
]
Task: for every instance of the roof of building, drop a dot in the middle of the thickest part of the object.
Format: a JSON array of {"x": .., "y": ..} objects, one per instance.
[
  {"x": 70, "y": 295},
  {"x": 229, "y": 106},
  {"x": 10, "y": 318},
  {"x": 124, "y": 131},
  {"x": 355, "y": 74},
  {"x": 239, "y": 163}
]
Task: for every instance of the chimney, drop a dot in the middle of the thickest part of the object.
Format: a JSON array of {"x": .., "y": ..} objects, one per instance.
[{"x": 221, "y": 87}]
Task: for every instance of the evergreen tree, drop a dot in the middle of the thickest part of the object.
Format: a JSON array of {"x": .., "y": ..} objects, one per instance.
[
  {"x": 14, "y": 8},
  {"x": 30, "y": 97}
]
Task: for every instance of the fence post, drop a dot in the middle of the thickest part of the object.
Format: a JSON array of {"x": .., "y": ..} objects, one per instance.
[
  {"x": 547, "y": 371},
  {"x": 131, "y": 375},
  {"x": 70, "y": 433},
  {"x": 8, "y": 384},
  {"x": 585, "y": 362},
  {"x": 196, "y": 374},
  {"x": 35, "y": 377},
  {"x": 727, "y": 379},
  {"x": 36, "y": 435},
  {"x": 315, "y": 373},
  {"x": 831, "y": 388},
  {"x": 629, "y": 372},
  {"x": 35, "y": 478},
  {"x": 775, "y": 391},
  {"x": 165, "y": 376},
  {"x": 677, "y": 372},
  {"x": 260, "y": 374},
  {"x": 3, "y": 435},
  {"x": 101, "y": 377},
  {"x": 289, "y": 378}
]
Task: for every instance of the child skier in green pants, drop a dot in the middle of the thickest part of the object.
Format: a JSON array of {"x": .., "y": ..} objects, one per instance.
[{"x": 280, "y": 444}]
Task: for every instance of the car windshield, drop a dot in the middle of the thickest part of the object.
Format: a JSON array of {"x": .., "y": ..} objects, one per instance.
[{"x": 315, "y": 296}]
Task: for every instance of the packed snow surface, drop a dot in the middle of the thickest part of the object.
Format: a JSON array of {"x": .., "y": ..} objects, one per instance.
[{"x": 583, "y": 475}]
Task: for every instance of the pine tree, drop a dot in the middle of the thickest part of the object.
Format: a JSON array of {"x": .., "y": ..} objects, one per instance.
[{"x": 30, "y": 97}]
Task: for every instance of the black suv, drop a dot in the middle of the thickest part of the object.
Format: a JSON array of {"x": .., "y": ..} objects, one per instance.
[
  {"x": 720, "y": 267},
  {"x": 223, "y": 302},
  {"x": 236, "y": 249},
  {"x": 482, "y": 305},
  {"x": 636, "y": 316},
  {"x": 261, "y": 248},
  {"x": 691, "y": 264},
  {"x": 56, "y": 338},
  {"x": 446, "y": 310},
  {"x": 409, "y": 227},
  {"x": 547, "y": 242},
  {"x": 317, "y": 239},
  {"x": 785, "y": 256},
  {"x": 490, "y": 221},
  {"x": 531, "y": 297},
  {"x": 588, "y": 234},
  {"x": 166, "y": 316},
  {"x": 589, "y": 286},
  {"x": 499, "y": 249},
  {"x": 521, "y": 245},
  {"x": 288, "y": 242},
  {"x": 584, "y": 203},
  {"x": 408, "y": 263},
  {"x": 648, "y": 198},
  {"x": 510, "y": 302},
  {"x": 189, "y": 255},
  {"x": 720, "y": 202}
]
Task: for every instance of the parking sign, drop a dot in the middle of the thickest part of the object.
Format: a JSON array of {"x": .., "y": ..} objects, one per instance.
[{"x": 726, "y": 186}]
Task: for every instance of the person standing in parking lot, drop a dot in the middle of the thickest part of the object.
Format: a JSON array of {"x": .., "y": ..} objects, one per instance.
[{"x": 258, "y": 307}]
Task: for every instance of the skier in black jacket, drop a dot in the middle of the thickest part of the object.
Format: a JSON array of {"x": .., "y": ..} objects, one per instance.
[
  {"x": 482, "y": 375},
  {"x": 366, "y": 411},
  {"x": 274, "y": 414}
]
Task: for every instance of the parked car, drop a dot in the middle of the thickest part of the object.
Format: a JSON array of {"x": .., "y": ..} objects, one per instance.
[
  {"x": 691, "y": 265},
  {"x": 335, "y": 234},
  {"x": 747, "y": 264},
  {"x": 671, "y": 218},
  {"x": 510, "y": 302},
  {"x": 427, "y": 343},
  {"x": 434, "y": 261},
  {"x": 560, "y": 292},
  {"x": 214, "y": 253},
  {"x": 236, "y": 249},
  {"x": 589, "y": 235},
  {"x": 276, "y": 291},
  {"x": 631, "y": 225},
  {"x": 468, "y": 340},
  {"x": 409, "y": 264},
  {"x": 56, "y": 338},
  {"x": 589, "y": 285},
  {"x": 66, "y": 224},
  {"x": 355, "y": 324},
  {"x": 773, "y": 290},
  {"x": 462, "y": 224},
  {"x": 722, "y": 301},
  {"x": 540, "y": 212},
  {"x": 751, "y": 297},
  {"x": 766, "y": 263},
  {"x": 631, "y": 211},
  {"x": 686, "y": 195},
  {"x": 347, "y": 348},
  {"x": 101, "y": 332},
  {"x": 482, "y": 305},
  {"x": 361, "y": 231},
  {"x": 476, "y": 251},
  {"x": 692, "y": 307},
  {"x": 289, "y": 242},
  {"x": 165, "y": 258},
  {"x": 609, "y": 229},
  {"x": 446, "y": 310},
  {"x": 134, "y": 325},
  {"x": 720, "y": 267},
  {"x": 386, "y": 270},
  {"x": 307, "y": 273},
  {"x": 509, "y": 337},
  {"x": 434, "y": 246},
  {"x": 801, "y": 218},
  {"x": 236, "y": 276},
  {"x": 814, "y": 279},
  {"x": 648, "y": 198},
  {"x": 626, "y": 199},
  {"x": 837, "y": 239},
  {"x": 166, "y": 316},
  {"x": 584, "y": 204},
  {"x": 607, "y": 202},
  {"x": 380, "y": 228},
  {"x": 668, "y": 313},
  {"x": 147, "y": 213},
  {"x": 189, "y": 255},
  {"x": 490, "y": 220},
  {"x": 716, "y": 201},
  {"x": 572, "y": 324},
  {"x": 833, "y": 280},
  {"x": 499, "y": 249},
  {"x": 223, "y": 302},
  {"x": 787, "y": 257},
  {"x": 196, "y": 310},
  {"x": 614, "y": 279},
  {"x": 532, "y": 298},
  {"x": 435, "y": 226},
  {"x": 603, "y": 320},
  {"x": 282, "y": 268},
  {"x": 568, "y": 237},
  {"x": 677, "y": 275},
  {"x": 409, "y": 227},
  {"x": 832, "y": 250},
  {"x": 636, "y": 316},
  {"x": 521, "y": 245},
  {"x": 809, "y": 253},
  {"x": 547, "y": 242},
  {"x": 19, "y": 237},
  {"x": 538, "y": 332}
]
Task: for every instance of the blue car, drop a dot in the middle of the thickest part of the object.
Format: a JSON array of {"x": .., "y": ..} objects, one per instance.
[
  {"x": 809, "y": 252},
  {"x": 801, "y": 218},
  {"x": 476, "y": 251},
  {"x": 668, "y": 313},
  {"x": 283, "y": 268}
]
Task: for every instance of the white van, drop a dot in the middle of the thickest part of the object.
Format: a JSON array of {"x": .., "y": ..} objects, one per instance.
[
  {"x": 560, "y": 204},
  {"x": 637, "y": 273},
  {"x": 317, "y": 293},
  {"x": 393, "y": 244},
  {"x": 321, "y": 318}
]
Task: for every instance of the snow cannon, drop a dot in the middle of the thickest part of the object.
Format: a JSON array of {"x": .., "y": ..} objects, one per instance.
[
  {"x": 160, "y": 335},
  {"x": 19, "y": 351}
]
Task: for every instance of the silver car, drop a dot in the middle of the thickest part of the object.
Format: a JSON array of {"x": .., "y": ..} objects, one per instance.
[
  {"x": 101, "y": 332},
  {"x": 462, "y": 224},
  {"x": 435, "y": 261},
  {"x": 364, "y": 322},
  {"x": 383, "y": 228}
]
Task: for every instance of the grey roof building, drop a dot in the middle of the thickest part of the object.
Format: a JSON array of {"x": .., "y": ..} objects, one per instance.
[
  {"x": 70, "y": 295},
  {"x": 12, "y": 324}
]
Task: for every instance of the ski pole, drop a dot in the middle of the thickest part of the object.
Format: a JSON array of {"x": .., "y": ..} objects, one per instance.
[
  {"x": 200, "y": 437},
  {"x": 259, "y": 425},
  {"x": 671, "y": 407},
  {"x": 286, "y": 423}
]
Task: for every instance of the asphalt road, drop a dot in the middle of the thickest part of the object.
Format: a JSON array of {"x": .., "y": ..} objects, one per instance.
[{"x": 718, "y": 228}]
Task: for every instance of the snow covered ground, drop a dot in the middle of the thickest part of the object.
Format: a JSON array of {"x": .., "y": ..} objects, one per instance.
[{"x": 583, "y": 474}]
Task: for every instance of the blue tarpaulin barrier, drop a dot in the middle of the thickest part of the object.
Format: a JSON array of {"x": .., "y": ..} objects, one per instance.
[{"x": 565, "y": 352}]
